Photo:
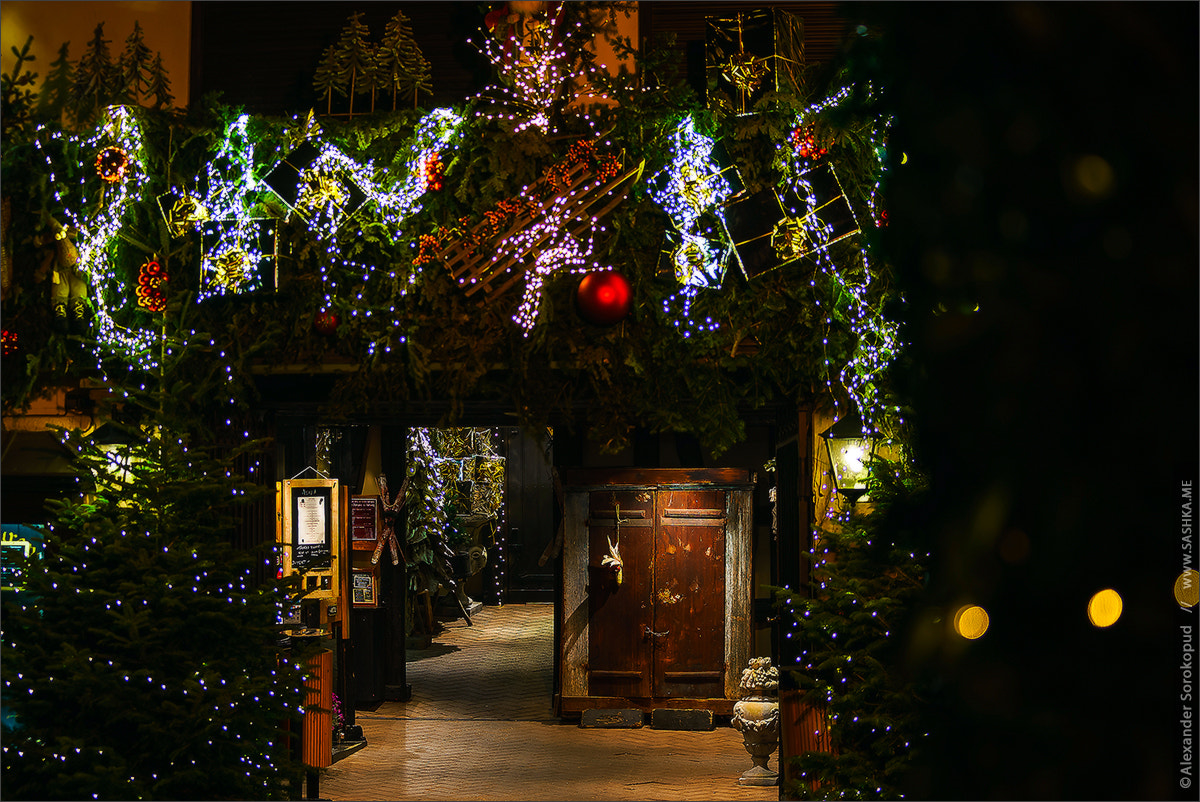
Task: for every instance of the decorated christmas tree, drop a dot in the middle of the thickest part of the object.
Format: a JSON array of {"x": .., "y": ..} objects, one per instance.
[
  {"x": 852, "y": 624},
  {"x": 142, "y": 657}
]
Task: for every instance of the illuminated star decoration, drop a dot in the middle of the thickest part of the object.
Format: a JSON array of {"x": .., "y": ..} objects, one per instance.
[
  {"x": 237, "y": 250},
  {"x": 535, "y": 60},
  {"x": 690, "y": 187},
  {"x": 96, "y": 210},
  {"x": 877, "y": 338}
]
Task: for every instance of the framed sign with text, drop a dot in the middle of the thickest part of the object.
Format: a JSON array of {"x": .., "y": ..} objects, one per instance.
[
  {"x": 365, "y": 587},
  {"x": 310, "y": 531},
  {"x": 364, "y": 521}
]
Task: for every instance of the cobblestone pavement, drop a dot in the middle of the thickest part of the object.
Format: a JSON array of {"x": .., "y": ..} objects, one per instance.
[{"x": 480, "y": 727}]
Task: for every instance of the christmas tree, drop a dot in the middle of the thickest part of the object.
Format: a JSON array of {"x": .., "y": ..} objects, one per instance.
[
  {"x": 851, "y": 624},
  {"x": 142, "y": 659}
]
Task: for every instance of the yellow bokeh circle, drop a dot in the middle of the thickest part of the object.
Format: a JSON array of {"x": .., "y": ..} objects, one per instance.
[
  {"x": 1105, "y": 608},
  {"x": 971, "y": 621},
  {"x": 1187, "y": 588}
]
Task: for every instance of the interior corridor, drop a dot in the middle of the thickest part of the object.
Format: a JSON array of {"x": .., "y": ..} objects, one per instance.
[{"x": 480, "y": 727}]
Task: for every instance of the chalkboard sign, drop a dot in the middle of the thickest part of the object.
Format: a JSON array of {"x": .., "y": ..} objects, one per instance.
[{"x": 312, "y": 525}]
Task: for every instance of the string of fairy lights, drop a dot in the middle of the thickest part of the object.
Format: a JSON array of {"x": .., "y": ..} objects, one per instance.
[
  {"x": 94, "y": 209},
  {"x": 688, "y": 188},
  {"x": 535, "y": 60}
]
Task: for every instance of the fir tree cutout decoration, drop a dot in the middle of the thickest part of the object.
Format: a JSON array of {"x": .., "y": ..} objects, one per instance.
[
  {"x": 95, "y": 77},
  {"x": 133, "y": 67},
  {"x": 160, "y": 85},
  {"x": 352, "y": 61},
  {"x": 16, "y": 102},
  {"x": 56, "y": 90},
  {"x": 399, "y": 63}
]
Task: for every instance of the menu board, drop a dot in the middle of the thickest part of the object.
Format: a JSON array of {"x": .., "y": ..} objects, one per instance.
[
  {"x": 364, "y": 520},
  {"x": 312, "y": 519}
]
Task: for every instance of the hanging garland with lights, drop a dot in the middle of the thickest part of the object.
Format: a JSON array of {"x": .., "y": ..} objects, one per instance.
[{"x": 421, "y": 181}]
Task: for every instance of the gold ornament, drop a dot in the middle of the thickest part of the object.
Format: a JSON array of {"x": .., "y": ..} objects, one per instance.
[
  {"x": 746, "y": 71},
  {"x": 185, "y": 213},
  {"x": 790, "y": 238},
  {"x": 321, "y": 187},
  {"x": 232, "y": 269}
]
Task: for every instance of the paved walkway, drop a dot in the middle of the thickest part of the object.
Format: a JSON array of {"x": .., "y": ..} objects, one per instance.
[{"x": 480, "y": 727}]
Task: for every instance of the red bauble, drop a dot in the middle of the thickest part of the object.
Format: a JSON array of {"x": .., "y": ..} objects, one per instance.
[
  {"x": 326, "y": 323},
  {"x": 604, "y": 298}
]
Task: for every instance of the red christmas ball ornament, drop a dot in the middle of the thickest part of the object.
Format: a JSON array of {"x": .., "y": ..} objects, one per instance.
[
  {"x": 604, "y": 297},
  {"x": 326, "y": 323}
]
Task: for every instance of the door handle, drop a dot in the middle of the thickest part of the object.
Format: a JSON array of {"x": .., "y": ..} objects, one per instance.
[{"x": 649, "y": 633}]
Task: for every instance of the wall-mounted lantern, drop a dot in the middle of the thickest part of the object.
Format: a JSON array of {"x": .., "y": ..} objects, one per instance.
[{"x": 850, "y": 451}]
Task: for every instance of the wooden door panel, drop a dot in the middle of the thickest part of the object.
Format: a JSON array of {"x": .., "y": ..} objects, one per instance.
[
  {"x": 619, "y": 649},
  {"x": 689, "y": 594}
]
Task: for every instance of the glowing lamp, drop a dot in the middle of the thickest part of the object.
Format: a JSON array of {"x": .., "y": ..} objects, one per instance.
[{"x": 850, "y": 450}]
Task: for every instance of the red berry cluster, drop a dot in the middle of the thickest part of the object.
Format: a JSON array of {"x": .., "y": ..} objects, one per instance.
[
  {"x": 435, "y": 172},
  {"x": 805, "y": 142},
  {"x": 8, "y": 342}
]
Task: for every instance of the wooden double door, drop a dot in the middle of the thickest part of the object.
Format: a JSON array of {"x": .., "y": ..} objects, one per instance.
[{"x": 673, "y": 623}]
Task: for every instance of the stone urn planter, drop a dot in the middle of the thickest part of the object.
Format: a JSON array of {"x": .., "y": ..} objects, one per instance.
[{"x": 756, "y": 716}]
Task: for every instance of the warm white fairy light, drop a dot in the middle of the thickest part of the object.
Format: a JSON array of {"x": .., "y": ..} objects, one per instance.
[
  {"x": 538, "y": 70},
  {"x": 556, "y": 248}
]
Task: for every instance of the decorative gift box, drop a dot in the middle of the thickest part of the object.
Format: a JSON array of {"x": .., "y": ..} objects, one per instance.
[
  {"x": 770, "y": 229},
  {"x": 749, "y": 53}
]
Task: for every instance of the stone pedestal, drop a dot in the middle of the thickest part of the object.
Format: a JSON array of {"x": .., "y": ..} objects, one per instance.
[{"x": 756, "y": 716}]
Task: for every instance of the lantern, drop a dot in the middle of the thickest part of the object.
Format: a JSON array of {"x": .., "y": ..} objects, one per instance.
[{"x": 850, "y": 449}]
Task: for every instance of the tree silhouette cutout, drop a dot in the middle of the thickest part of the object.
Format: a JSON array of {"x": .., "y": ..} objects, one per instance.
[
  {"x": 400, "y": 64},
  {"x": 95, "y": 76},
  {"x": 354, "y": 66},
  {"x": 56, "y": 91},
  {"x": 133, "y": 69}
]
